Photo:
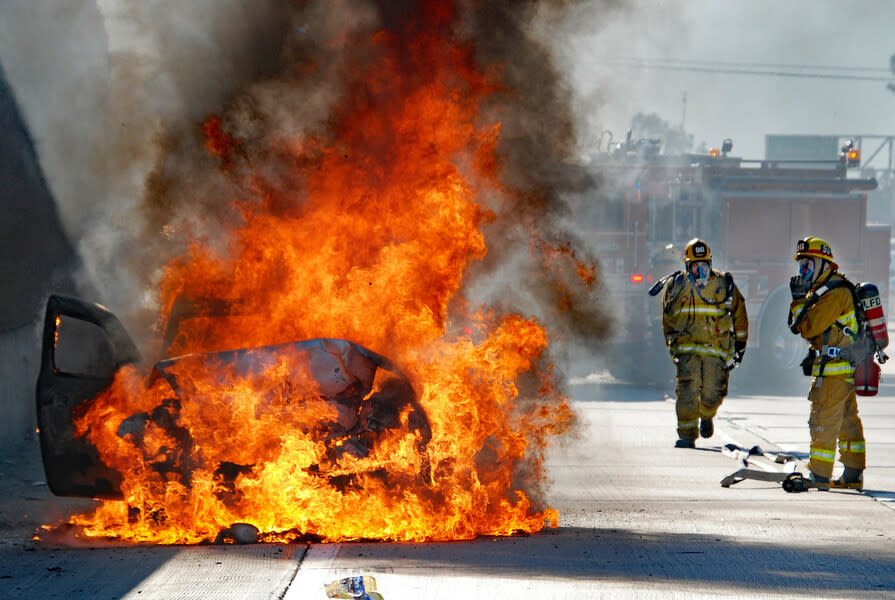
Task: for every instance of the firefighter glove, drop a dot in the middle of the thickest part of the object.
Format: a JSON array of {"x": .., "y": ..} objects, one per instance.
[
  {"x": 807, "y": 364},
  {"x": 799, "y": 287},
  {"x": 739, "y": 350}
]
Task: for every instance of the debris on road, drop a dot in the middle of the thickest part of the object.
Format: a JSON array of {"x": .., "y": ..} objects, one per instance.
[{"x": 361, "y": 587}]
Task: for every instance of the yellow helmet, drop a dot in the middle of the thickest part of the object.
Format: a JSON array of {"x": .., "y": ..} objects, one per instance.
[
  {"x": 814, "y": 247},
  {"x": 696, "y": 250}
]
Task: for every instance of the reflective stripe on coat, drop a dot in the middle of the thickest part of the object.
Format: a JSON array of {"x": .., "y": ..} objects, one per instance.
[
  {"x": 700, "y": 321},
  {"x": 834, "y": 310}
]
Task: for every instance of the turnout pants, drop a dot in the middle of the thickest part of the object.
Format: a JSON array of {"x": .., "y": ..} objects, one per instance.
[
  {"x": 834, "y": 417},
  {"x": 701, "y": 387}
]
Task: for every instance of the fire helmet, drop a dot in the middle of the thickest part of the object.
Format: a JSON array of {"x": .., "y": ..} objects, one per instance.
[
  {"x": 697, "y": 250},
  {"x": 814, "y": 247}
]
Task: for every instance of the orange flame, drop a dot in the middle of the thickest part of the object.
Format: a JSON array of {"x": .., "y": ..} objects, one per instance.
[{"x": 369, "y": 239}]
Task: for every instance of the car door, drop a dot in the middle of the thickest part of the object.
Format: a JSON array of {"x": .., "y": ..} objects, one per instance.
[{"x": 83, "y": 345}]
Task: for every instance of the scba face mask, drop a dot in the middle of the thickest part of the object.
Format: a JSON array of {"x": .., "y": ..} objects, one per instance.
[
  {"x": 806, "y": 269},
  {"x": 699, "y": 272}
]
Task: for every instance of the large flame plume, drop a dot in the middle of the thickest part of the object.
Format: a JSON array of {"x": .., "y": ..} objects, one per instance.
[{"x": 366, "y": 224}]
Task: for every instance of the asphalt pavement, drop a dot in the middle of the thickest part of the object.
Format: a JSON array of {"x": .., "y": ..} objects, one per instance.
[{"x": 639, "y": 519}]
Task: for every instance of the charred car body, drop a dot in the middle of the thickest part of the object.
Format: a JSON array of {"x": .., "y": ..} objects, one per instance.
[{"x": 85, "y": 346}]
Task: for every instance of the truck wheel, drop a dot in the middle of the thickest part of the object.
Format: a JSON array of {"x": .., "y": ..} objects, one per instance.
[
  {"x": 781, "y": 352},
  {"x": 646, "y": 365}
]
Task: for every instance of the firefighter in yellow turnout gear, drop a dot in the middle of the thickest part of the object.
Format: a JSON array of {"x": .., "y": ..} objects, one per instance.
[
  {"x": 823, "y": 312},
  {"x": 705, "y": 325}
]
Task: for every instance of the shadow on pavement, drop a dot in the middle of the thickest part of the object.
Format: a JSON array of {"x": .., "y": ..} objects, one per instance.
[
  {"x": 98, "y": 573},
  {"x": 643, "y": 558}
]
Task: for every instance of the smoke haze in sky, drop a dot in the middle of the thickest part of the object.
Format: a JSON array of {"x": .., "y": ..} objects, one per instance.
[
  {"x": 752, "y": 35},
  {"x": 99, "y": 80}
]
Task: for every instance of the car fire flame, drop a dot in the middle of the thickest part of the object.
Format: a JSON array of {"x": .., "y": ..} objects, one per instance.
[{"x": 366, "y": 232}]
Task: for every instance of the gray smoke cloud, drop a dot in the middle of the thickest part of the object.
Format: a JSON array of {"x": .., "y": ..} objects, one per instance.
[
  {"x": 100, "y": 82},
  {"x": 132, "y": 82}
]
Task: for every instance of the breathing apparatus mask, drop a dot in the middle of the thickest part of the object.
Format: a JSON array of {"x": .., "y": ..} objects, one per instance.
[
  {"x": 699, "y": 272},
  {"x": 807, "y": 270}
]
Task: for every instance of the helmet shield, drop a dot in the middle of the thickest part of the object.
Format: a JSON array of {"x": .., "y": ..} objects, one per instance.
[{"x": 697, "y": 250}]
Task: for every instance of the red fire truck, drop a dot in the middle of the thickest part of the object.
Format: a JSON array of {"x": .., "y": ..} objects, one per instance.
[{"x": 751, "y": 213}]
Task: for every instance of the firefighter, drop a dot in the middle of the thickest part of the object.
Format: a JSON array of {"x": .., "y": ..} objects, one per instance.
[
  {"x": 823, "y": 312},
  {"x": 705, "y": 325}
]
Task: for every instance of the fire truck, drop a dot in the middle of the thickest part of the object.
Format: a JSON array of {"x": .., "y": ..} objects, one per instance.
[{"x": 751, "y": 212}]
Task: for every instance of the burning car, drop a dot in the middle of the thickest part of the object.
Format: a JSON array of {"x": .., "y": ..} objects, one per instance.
[
  {"x": 346, "y": 399},
  {"x": 308, "y": 235}
]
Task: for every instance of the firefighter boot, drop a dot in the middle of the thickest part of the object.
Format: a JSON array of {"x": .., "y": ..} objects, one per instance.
[
  {"x": 684, "y": 443},
  {"x": 706, "y": 428},
  {"x": 823, "y": 483},
  {"x": 851, "y": 475}
]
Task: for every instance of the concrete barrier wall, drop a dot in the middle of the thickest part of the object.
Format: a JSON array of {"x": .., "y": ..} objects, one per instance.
[
  {"x": 36, "y": 258},
  {"x": 19, "y": 366}
]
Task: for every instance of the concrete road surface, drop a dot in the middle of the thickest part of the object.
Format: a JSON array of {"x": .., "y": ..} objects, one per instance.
[{"x": 639, "y": 519}]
